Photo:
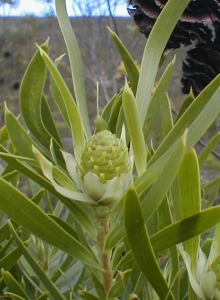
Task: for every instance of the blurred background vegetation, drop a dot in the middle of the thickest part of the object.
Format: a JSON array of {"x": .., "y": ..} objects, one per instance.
[{"x": 102, "y": 63}]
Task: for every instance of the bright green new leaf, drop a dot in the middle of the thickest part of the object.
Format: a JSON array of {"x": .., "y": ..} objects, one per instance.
[
  {"x": 190, "y": 199},
  {"x": 134, "y": 128}
]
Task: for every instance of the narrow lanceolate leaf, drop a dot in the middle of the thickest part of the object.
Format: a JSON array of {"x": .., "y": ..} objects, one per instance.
[
  {"x": 75, "y": 63},
  {"x": 79, "y": 212},
  {"x": 205, "y": 105},
  {"x": 214, "y": 251},
  {"x": 205, "y": 119},
  {"x": 158, "y": 99},
  {"x": 3, "y": 135},
  {"x": 186, "y": 229},
  {"x": 19, "y": 137},
  {"x": 73, "y": 113},
  {"x": 31, "y": 94},
  {"x": 165, "y": 180},
  {"x": 140, "y": 245},
  {"x": 31, "y": 217},
  {"x": 208, "y": 149},
  {"x": 129, "y": 63},
  {"x": 49, "y": 285},
  {"x": 10, "y": 259},
  {"x": 153, "y": 51},
  {"x": 190, "y": 199},
  {"x": 13, "y": 286},
  {"x": 134, "y": 128},
  {"x": 48, "y": 121}
]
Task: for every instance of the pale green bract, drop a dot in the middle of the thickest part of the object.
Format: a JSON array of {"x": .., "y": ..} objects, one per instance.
[{"x": 101, "y": 175}]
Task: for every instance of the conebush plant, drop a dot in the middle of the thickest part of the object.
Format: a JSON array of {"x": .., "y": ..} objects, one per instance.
[{"x": 121, "y": 216}]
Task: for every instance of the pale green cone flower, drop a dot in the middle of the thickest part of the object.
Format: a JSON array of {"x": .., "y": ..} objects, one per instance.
[
  {"x": 104, "y": 171},
  {"x": 101, "y": 175}
]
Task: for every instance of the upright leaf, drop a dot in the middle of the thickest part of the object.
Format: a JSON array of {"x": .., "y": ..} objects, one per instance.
[
  {"x": 75, "y": 63},
  {"x": 73, "y": 113},
  {"x": 190, "y": 199},
  {"x": 129, "y": 63},
  {"x": 153, "y": 52},
  {"x": 134, "y": 128},
  {"x": 31, "y": 94},
  {"x": 141, "y": 246}
]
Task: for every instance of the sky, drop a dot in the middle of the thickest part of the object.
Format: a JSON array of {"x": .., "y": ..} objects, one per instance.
[{"x": 36, "y": 8}]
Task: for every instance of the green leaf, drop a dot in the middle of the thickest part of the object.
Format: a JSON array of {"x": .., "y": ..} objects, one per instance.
[
  {"x": 115, "y": 109},
  {"x": 205, "y": 105},
  {"x": 15, "y": 297},
  {"x": 214, "y": 251},
  {"x": 108, "y": 108},
  {"x": 153, "y": 51},
  {"x": 41, "y": 225},
  {"x": 186, "y": 229},
  {"x": 98, "y": 286},
  {"x": 129, "y": 63},
  {"x": 120, "y": 284},
  {"x": 13, "y": 285},
  {"x": 80, "y": 212},
  {"x": 75, "y": 63},
  {"x": 4, "y": 232},
  {"x": 190, "y": 199},
  {"x": 158, "y": 98},
  {"x": 73, "y": 113},
  {"x": 48, "y": 121},
  {"x": 87, "y": 295},
  {"x": 59, "y": 101},
  {"x": 165, "y": 180},
  {"x": 31, "y": 94},
  {"x": 18, "y": 136},
  {"x": 134, "y": 128},
  {"x": 43, "y": 296},
  {"x": 3, "y": 135},
  {"x": 49, "y": 285},
  {"x": 140, "y": 245},
  {"x": 159, "y": 169},
  {"x": 10, "y": 259},
  {"x": 208, "y": 149},
  {"x": 166, "y": 116}
]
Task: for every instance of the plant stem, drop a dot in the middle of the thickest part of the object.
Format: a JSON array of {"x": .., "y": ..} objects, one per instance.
[{"x": 105, "y": 255}]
